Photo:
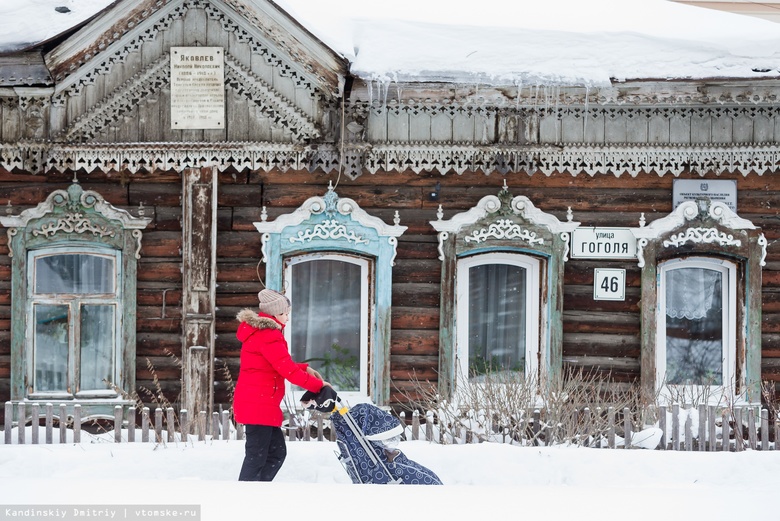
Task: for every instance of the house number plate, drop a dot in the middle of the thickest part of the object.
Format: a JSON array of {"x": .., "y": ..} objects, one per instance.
[{"x": 609, "y": 284}]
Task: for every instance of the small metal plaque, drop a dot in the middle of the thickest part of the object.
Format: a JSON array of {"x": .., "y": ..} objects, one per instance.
[{"x": 721, "y": 190}]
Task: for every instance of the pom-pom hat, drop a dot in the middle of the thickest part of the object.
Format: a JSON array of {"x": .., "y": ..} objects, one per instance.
[{"x": 273, "y": 303}]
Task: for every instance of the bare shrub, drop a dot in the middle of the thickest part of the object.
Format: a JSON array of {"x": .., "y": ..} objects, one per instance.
[{"x": 506, "y": 407}]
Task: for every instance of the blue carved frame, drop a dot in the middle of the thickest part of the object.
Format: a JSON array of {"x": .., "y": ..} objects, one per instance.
[{"x": 338, "y": 225}]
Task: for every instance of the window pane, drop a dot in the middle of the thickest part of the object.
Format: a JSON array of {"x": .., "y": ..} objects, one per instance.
[
  {"x": 497, "y": 329},
  {"x": 97, "y": 347},
  {"x": 694, "y": 327},
  {"x": 326, "y": 320},
  {"x": 51, "y": 348},
  {"x": 74, "y": 273}
]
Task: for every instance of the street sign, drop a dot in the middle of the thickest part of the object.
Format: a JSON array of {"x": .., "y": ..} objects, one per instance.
[
  {"x": 609, "y": 284},
  {"x": 603, "y": 243}
]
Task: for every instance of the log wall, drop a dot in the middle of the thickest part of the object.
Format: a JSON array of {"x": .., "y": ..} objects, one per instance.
[{"x": 597, "y": 334}]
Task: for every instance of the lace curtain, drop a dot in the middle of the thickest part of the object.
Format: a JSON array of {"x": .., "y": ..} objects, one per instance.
[{"x": 691, "y": 292}]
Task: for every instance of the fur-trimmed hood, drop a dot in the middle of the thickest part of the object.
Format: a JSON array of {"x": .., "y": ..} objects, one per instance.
[{"x": 251, "y": 318}]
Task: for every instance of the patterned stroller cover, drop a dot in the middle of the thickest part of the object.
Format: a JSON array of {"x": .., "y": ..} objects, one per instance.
[{"x": 366, "y": 436}]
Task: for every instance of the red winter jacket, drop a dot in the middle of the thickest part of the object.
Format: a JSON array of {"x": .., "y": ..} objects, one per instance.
[{"x": 265, "y": 364}]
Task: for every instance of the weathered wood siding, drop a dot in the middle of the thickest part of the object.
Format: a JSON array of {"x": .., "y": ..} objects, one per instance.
[{"x": 597, "y": 334}]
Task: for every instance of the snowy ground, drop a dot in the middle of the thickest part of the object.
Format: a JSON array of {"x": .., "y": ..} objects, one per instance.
[{"x": 480, "y": 480}]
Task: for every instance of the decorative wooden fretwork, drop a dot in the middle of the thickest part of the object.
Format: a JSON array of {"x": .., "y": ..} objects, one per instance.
[
  {"x": 576, "y": 159},
  {"x": 131, "y": 32},
  {"x": 280, "y": 112}
]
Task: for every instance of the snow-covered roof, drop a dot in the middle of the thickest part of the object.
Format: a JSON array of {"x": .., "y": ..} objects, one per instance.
[
  {"x": 583, "y": 42},
  {"x": 498, "y": 42},
  {"x": 25, "y": 23}
]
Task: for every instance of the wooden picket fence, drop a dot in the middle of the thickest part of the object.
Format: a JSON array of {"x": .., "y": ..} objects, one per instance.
[{"x": 714, "y": 425}]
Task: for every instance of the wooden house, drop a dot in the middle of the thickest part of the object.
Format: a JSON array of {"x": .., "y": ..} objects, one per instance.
[{"x": 162, "y": 163}]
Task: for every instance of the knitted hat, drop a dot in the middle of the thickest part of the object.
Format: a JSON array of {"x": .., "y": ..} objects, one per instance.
[{"x": 273, "y": 303}]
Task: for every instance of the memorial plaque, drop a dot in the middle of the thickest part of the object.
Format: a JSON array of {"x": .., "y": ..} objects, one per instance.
[{"x": 197, "y": 88}]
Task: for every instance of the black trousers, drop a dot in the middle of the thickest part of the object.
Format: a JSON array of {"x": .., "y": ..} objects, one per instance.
[{"x": 264, "y": 453}]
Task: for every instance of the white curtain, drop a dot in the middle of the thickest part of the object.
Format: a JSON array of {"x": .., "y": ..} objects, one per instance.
[
  {"x": 497, "y": 318},
  {"x": 326, "y": 319},
  {"x": 690, "y": 292}
]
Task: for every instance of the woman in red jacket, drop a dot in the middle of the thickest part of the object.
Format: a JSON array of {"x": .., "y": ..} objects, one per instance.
[{"x": 265, "y": 364}]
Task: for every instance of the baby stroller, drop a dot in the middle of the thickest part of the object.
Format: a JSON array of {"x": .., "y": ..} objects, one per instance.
[{"x": 367, "y": 437}]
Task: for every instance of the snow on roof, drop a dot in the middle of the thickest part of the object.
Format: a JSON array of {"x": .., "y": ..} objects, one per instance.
[
  {"x": 582, "y": 42},
  {"x": 24, "y": 23},
  {"x": 514, "y": 42}
]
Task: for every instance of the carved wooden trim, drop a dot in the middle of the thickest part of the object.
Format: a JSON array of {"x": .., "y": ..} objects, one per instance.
[{"x": 575, "y": 159}]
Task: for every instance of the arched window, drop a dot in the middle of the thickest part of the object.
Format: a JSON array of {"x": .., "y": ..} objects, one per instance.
[
  {"x": 701, "y": 295},
  {"x": 501, "y": 291},
  {"x": 74, "y": 264},
  {"x": 334, "y": 262},
  {"x": 696, "y": 326},
  {"x": 497, "y": 314},
  {"x": 330, "y": 323},
  {"x": 75, "y": 306}
]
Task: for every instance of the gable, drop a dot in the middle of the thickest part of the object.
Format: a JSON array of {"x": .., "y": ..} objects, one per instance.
[{"x": 113, "y": 77}]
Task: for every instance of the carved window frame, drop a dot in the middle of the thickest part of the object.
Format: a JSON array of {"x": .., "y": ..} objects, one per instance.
[
  {"x": 510, "y": 225},
  {"x": 75, "y": 220},
  {"x": 331, "y": 224},
  {"x": 705, "y": 228}
]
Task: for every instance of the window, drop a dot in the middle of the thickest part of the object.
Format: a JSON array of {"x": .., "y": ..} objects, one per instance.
[
  {"x": 498, "y": 314},
  {"x": 74, "y": 262},
  {"x": 329, "y": 322},
  {"x": 697, "y": 325},
  {"x": 334, "y": 261},
  {"x": 75, "y": 304},
  {"x": 701, "y": 305},
  {"x": 501, "y": 291}
]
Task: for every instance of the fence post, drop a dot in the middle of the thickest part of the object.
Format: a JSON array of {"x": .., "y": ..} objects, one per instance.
[
  {"x": 201, "y": 425},
  {"x": 184, "y": 424},
  {"x": 63, "y": 423},
  {"x": 777, "y": 434},
  {"x": 214, "y": 425},
  {"x": 726, "y": 442},
  {"x": 49, "y": 423},
  {"x": 131, "y": 424},
  {"x": 752, "y": 434},
  {"x": 713, "y": 442},
  {"x": 676, "y": 426},
  {"x": 415, "y": 425},
  {"x": 35, "y": 423},
  {"x": 76, "y": 422},
  {"x": 292, "y": 431},
  {"x": 764, "y": 429},
  {"x": 239, "y": 431},
  {"x": 21, "y": 423},
  {"x": 9, "y": 421},
  {"x": 586, "y": 423},
  {"x": 662, "y": 425},
  {"x": 738, "y": 429},
  {"x": 225, "y": 425},
  {"x": 611, "y": 427},
  {"x": 429, "y": 426},
  {"x": 158, "y": 421},
  {"x": 118, "y": 416},
  {"x": 626, "y": 428},
  {"x": 170, "y": 423},
  {"x": 688, "y": 429},
  {"x": 145, "y": 424},
  {"x": 703, "y": 422}
]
